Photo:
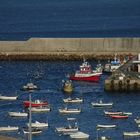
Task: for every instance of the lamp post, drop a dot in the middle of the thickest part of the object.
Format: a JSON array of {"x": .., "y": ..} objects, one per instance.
[{"x": 30, "y": 117}]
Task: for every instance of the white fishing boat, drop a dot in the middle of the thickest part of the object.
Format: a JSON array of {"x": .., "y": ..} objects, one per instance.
[
  {"x": 130, "y": 134},
  {"x": 72, "y": 127},
  {"x": 40, "y": 109},
  {"x": 106, "y": 126},
  {"x": 8, "y": 97},
  {"x": 101, "y": 104},
  {"x": 18, "y": 114},
  {"x": 30, "y": 86},
  {"x": 9, "y": 128},
  {"x": 117, "y": 113},
  {"x": 34, "y": 131},
  {"x": 137, "y": 120},
  {"x": 70, "y": 111},
  {"x": 38, "y": 125},
  {"x": 79, "y": 135},
  {"x": 74, "y": 100}
]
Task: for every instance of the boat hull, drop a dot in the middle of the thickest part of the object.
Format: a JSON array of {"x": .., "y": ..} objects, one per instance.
[
  {"x": 118, "y": 117},
  {"x": 27, "y": 104},
  {"x": 17, "y": 114},
  {"x": 94, "y": 78}
]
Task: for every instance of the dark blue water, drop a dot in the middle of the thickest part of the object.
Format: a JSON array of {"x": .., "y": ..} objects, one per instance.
[
  {"x": 20, "y": 20},
  {"x": 15, "y": 74}
]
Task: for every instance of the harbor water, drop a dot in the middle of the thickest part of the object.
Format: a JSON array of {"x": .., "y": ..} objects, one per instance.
[{"x": 15, "y": 74}]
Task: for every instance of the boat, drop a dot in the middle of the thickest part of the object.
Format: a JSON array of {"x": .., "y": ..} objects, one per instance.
[
  {"x": 69, "y": 111},
  {"x": 130, "y": 134},
  {"x": 18, "y": 114},
  {"x": 74, "y": 100},
  {"x": 117, "y": 113},
  {"x": 101, "y": 104},
  {"x": 8, "y": 97},
  {"x": 104, "y": 138},
  {"x": 33, "y": 131},
  {"x": 79, "y": 135},
  {"x": 37, "y": 124},
  {"x": 137, "y": 120},
  {"x": 9, "y": 128},
  {"x": 40, "y": 109},
  {"x": 36, "y": 103},
  {"x": 86, "y": 73},
  {"x": 66, "y": 130},
  {"x": 119, "y": 116},
  {"x": 113, "y": 65},
  {"x": 67, "y": 86},
  {"x": 30, "y": 86},
  {"x": 106, "y": 126}
]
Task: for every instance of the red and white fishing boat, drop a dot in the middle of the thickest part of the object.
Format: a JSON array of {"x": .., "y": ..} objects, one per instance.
[
  {"x": 36, "y": 103},
  {"x": 86, "y": 73},
  {"x": 119, "y": 116}
]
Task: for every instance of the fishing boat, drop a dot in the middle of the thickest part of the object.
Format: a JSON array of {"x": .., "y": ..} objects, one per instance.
[
  {"x": 8, "y": 97},
  {"x": 113, "y": 65},
  {"x": 36, "y": 103},
  {"x": 74, "y": 100},
  {"x": 79, "y": 135},
  {"x": 30, "y": 86},
  {"x": 67, "y": 86},
  {"x": 33, "y": 131},
  {"x": 101, "y": 104},
  {"x": 86, "y": 73},
  {"x": 106, "y": 126},
  {"x": 37, "y": 124},
  {"x": 119, "y": 116},
  {"x": 40, "y": 109},
  {"x": 9, "y": 128},
  {"x": 69, "y": 111},
  {"x": 71, "y": 128},
  {"x": 131, "y": 134},
  {"x": 117, "y": 113},
  {"x": 18, "y": 114}
]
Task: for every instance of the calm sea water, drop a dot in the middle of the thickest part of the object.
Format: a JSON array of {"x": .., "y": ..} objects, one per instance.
[
  {"x": 20, "y": 20},
  {"x": 15, "y": 74}
]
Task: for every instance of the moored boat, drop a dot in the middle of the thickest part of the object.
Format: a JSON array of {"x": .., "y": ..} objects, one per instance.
[
  {"x": 101, "y": 104},
  {"x": 71, "y": 128},
  {"x": 70, "y": 111},
  {"x": 33, "y": 131},
  {"x": 119, "y": 116},
  {"x": 137, "y": 120},
  {"x": 86, "y": 73},
  {"x": 18, "y": 114},
  {"x": 79, "y": 135},
  {"x": 131, "y": 134},
  {"x": 36, "y": 103},
  {"x": 37, "y": 124},
  {"x": 72, "y": 100},
  {"x": 117, "y": 113},
  {"x": 67, "y": 86},
  {"x": 40, "y": 109},
  {"x": 8, "y": 97},
  {"x": 106, "y": 126},
  {"x": 9, "y": 128},
  {"x": 30, "y": 86}
]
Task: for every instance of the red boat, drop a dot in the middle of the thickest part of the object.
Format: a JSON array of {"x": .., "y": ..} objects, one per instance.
[
  {"x": 86, "y": 73},
  {"x": 36, "y": 103},
  {"x": 119, "y": 116}
]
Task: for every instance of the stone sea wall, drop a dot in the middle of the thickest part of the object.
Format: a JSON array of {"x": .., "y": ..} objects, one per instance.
[{"x": 68, "y": 48}]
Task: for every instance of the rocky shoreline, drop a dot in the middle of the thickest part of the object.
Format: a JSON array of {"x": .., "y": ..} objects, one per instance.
[{"x": 64, "y": 56}]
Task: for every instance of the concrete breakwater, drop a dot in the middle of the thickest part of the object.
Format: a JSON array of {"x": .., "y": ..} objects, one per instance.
[{"x": 68, "y": 48}]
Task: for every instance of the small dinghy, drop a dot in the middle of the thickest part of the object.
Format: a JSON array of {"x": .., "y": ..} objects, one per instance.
[
  {"x": 79, "y": 135},
  {"x": 38, "y": 125},
  {"x": 18, "y": 114},
  {"x": 34, "y": 131},
  {"x": 131, "y": 134},
  {"x": 119, "y": 116},
  {"x": 74, "y": 100},
  {"x": 8, "y": 97},
  {"x": 70, "y": 111},
  {"x": 106, "y": 126},
  {"x": 9, "y": 128},
  {"x": 40, "y": 109}
]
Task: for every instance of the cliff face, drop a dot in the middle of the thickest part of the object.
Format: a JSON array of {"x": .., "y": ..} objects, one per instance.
[{"x": 78, "y": 46}]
